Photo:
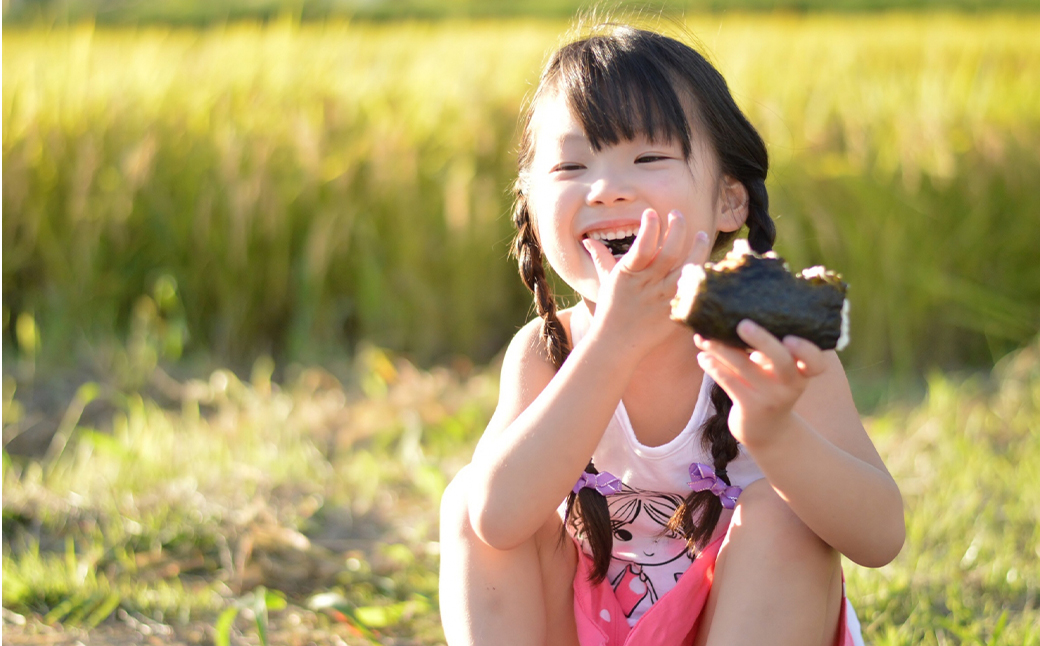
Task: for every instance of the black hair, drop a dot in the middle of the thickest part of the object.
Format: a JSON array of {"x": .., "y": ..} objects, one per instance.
[{"x": 622, "y": 82}]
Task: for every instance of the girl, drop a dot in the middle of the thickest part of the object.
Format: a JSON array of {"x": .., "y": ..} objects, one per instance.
[{"x": 635, "y": 160}]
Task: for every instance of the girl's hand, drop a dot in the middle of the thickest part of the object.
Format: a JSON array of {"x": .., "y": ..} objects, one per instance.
[
  {"x": 636, "y": 291},
  {"x": 765, "y": 383}
]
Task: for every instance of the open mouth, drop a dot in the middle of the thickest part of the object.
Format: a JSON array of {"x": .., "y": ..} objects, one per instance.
[{"x": 618, "y": 242}]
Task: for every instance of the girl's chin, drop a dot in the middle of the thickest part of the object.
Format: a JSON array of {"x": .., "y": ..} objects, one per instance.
[{"x": 586, "y": 288}]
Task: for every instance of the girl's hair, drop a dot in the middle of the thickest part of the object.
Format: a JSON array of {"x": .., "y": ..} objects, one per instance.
[{"x": 622, "y": 82}]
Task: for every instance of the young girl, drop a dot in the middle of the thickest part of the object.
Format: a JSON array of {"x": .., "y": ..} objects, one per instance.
[{"x": 723, "y": 485}]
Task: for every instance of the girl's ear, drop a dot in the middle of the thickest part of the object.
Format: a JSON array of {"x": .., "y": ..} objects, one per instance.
[{"x": 733, "y": 204}]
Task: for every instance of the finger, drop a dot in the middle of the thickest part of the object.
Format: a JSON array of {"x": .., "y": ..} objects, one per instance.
[
  {"x": 809, "y": 358},
  {"x": 698, "y": 256},
  {"x": 761, "y": 360},
  {"x": 673, "y": 248},
  {"x": 772, "y": 351},
  {"x": 734, "y": 358},
  {"x": 701, "y": 250},
  {"x": 601, "y": 257},
  {"x": 670, "y": 282},
  {"x": 723, "y": 375},
  {"x": 644, "y": 249}
]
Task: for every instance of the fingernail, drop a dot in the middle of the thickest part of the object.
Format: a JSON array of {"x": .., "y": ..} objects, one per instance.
[{"x": 702, "y": 236}]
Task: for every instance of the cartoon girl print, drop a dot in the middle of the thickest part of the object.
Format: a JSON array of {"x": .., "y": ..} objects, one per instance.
[{"x": 643, "y": 542}]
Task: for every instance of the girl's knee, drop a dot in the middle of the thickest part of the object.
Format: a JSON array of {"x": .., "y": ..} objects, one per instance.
[
  {"x": 764, "y": 515},
  {"x": 454, "y": 518}
]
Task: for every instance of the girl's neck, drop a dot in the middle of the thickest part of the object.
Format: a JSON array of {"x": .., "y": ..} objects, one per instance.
[
  {"x": 675, "y": 359},
  {"x": 663, "y": 389},
  {"x": 671, "y": 366},
  {"x": 662, "y": 394}
]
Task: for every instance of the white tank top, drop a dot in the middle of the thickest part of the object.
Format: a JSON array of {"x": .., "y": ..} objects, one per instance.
[{"x": 647, "y": 560}]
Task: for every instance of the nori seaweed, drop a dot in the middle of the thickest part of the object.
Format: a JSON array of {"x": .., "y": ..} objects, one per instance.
[{"x": 763, "y": 290}]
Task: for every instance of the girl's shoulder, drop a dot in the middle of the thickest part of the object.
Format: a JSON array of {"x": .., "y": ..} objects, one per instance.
[
  {"x": 526, "y": 371},
  {"x": 529, "y": 342},
  {"x": 526, "y": 353}
]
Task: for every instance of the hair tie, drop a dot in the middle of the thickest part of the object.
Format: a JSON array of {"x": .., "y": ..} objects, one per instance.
[
  {"x": 704, "y": 479},
  {"x": 606, "y": 484}
]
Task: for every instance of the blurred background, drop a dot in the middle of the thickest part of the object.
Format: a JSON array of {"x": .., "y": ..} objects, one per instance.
[{"x": 256, "y": 284}]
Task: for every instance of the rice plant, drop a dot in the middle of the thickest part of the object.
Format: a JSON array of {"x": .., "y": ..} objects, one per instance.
[{"x": 294, "y": 189}]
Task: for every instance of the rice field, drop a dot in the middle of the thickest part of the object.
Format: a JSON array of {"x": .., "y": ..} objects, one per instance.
[{"x": 295, "y": 189}]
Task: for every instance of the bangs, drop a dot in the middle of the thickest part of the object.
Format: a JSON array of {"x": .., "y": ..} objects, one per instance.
[{"x": 619, "y": 91}]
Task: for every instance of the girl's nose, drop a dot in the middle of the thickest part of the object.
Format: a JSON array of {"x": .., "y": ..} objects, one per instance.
[{"x": 608, "y": 190}]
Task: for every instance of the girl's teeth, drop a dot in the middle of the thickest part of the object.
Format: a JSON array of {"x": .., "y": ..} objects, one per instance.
[{"x": 613, "y": 235}]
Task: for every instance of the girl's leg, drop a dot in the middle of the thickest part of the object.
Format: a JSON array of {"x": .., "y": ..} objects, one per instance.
[
  {"x": 775, "y": 581},
  {"x": 521, "y": 596}
]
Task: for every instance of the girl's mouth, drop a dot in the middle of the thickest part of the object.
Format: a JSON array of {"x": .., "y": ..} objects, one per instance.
[{"x": 617, "y": 241}]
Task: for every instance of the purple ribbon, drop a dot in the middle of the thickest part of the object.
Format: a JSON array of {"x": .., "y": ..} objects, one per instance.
[
  {"x": 605, "y": 483},
  {"x": 704, "y": 479}
]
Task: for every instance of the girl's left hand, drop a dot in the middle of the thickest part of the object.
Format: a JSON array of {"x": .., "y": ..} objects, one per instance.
[{"x": 764, "y": 383}]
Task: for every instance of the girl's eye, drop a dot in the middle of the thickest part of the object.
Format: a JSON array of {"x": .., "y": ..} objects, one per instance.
[
  {"x": 566, "y": 166},
  {"x": 647, "y": 159},
  {"x": 622, "y": 534}
]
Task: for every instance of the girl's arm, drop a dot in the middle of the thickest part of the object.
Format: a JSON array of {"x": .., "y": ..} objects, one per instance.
[
  {"x": 793, "y": 410},
  {"x": 539, "y": 440},
  {"x": 548, "y": 423}
]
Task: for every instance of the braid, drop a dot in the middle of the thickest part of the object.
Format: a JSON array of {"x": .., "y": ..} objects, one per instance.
[
  {"x": 588, "y": 513},
  {"x": 698, "y": 515},
  {"x": 588, "y": 508},
  {"x": 528, "y": 254},
  {"x": 761, "y": 230}
]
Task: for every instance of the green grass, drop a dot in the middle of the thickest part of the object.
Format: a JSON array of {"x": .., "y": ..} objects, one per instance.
[
  {"x": 295, "y": 189},
  {"x": 178, "y": 513},
  {"x": 964, "y": 459},
  {"x": 315, "y": 502}
]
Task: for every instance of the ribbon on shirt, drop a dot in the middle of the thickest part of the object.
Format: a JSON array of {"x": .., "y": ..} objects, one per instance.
[
  {"x": 703, "y": 478},
  {"x": 605, "y": 483}
]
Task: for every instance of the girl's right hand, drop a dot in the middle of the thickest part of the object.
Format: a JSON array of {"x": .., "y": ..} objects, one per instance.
[{"x": 635, "y": 292}]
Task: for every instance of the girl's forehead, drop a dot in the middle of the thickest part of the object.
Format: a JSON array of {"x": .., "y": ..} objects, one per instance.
[
  {"x": 553, "y": 121},
  {"x": 555, "y": 126}
]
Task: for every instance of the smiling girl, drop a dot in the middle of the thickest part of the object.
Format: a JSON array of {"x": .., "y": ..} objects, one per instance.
[{"x": 635, "y": 161}]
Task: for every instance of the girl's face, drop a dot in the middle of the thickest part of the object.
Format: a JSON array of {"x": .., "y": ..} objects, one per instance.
[{"x": 575, "y": 191}]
